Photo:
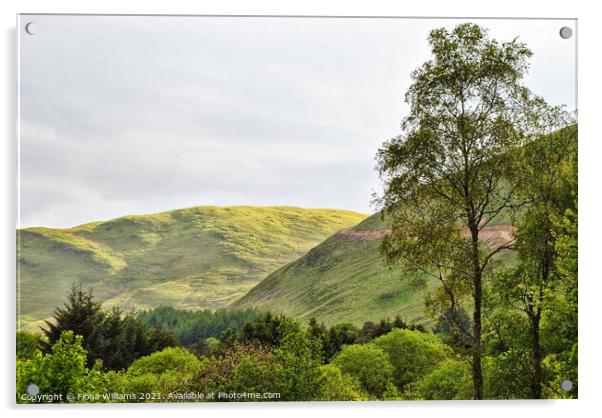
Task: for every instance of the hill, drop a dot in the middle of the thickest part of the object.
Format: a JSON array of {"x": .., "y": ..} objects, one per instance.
[
  {"x": 200, "y": 257},
  {"x": 344, "y": 279}
]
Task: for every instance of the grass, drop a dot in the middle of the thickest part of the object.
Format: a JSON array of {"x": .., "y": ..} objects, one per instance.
[
  {"x": 341, "y": 280},
  {"x": 200, "y": 257},
  {"x": 346, "y": 280}
]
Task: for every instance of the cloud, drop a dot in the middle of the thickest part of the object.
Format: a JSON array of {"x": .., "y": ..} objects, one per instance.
[{"x": 127, "y": 115}]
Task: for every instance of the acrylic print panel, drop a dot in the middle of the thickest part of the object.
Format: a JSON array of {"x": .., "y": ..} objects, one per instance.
[{"x": 218, "y": 208}]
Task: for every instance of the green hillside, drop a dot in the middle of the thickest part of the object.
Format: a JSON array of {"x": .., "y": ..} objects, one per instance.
[
  {"x": 343, "y": 279},
  {"x": 189, "y": 258}
]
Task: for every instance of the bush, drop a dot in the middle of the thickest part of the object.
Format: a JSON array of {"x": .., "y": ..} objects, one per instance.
[
  {"x": 368, "y": 364},
  {"x": 61, "y": 372},
  {"x": 28, "y": 344},
  {"x": 241, "y": 368},
  {"x": 413, "y": 354},
  {"x": 206, "y": 348},
  {"x": 508, "y": 375},
  {"x": 292, "y": 368},
  {"x": 162, "y": 372},
  {"x": 300, "y": 358},
  {"x": 559, "y": 367},
  {"x": 339, "y": 387},
  {"x": 450, "y": 380},
  {"x": 174, "y": 359}
]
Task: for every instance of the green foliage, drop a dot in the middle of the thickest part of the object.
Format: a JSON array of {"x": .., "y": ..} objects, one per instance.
[
  {"x": 60, "y": 372},
  {"x": 371, "y": 330},
  {"x": 162, "y": 372},
  {"x": 267, "y": 329},
  {"x": 28, "y": 344},
  {"x": 174, "y": 359},
  {"x": 339, "y": 387},
  {"x": 560, "y": 322},
  {"x": 300, "y": 358},
  {"x": 508, "y": 375},
  {"x": 545, "y": 177},
  {"x": 240, "y": 369},
  {"x": 81, "y": 314},
  {"x": 449, "y": 381},
  {"x": 453, "y": 328},
  {"x": 113, "y": 337},
  {"x": 506, "y": 329},
  {"x": 413, "y": 354},
  {"x": 370, "y": 365},
  {"x": 160, "y": 338},
  {"x": 288, "y": 365},
  {"x": 193, "y": 326},
  {"x": 447, "y": 175},
  {"x": 333, "y": 339},
  {"x": 560, "y": 367}
]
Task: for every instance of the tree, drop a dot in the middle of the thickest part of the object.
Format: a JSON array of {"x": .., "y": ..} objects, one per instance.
[
  {"x": 543, "y": 177},
  {"x": 560, "y": 322},
  {"x": 331, "y": 340},
  {"x": 413, "y": 354},
  {"x": 508, "y": 375},
  {"x": 162, "y": 372},
  {"x": 444, "y": 176},
  {"x": 267, "y": 329},
  {"x": 300, "y": 357},
  {"x": 28, "y": 344},
  {"x": 82, "y": 315},
  {"x": 450, "y": 380},
  {"x": 240, "y": 368},
  {"x": 62, "y": 371},
  {"x": 337, "y": 337},
  {"x": 339, "y": 387},
  {"x": 193, "y": 326},
  {"x": 113, "y": 337},
  {"x": 368, "y": 364}
]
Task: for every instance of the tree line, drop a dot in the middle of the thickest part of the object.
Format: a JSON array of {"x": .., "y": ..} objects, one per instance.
[{"x": 272, "y": 353}]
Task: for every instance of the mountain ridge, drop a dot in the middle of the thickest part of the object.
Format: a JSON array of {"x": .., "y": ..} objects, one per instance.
[{"x": 197, "y": 257}]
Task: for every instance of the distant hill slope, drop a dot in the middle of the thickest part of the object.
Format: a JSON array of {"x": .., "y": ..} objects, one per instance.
[
  {"x": 188, "y": 258},
  {"x": 344, "y": 279}
]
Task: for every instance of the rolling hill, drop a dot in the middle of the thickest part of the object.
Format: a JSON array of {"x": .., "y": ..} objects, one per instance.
[
  {"x": 344, "y": 279},
  {"x": 200, "y": 257}
]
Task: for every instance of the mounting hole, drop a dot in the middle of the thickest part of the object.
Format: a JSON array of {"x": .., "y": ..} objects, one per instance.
[
  {"x": 566, "y": 32},
  {"x": 30, "y": 28},
  {"x": 566, "y": 385},
  {"x": 32, "y": 389}
]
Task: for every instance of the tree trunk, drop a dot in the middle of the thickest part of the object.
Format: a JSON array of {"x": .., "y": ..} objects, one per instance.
[
  {"x": 535, "y": 317},
  {"x": 536, "y": 347},
  {"x": 477, "y": 371}
]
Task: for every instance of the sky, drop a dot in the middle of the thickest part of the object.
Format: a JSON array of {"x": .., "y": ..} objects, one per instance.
[{"x": 130, "y": 115}]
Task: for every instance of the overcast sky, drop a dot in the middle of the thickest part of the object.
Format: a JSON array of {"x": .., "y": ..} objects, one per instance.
[{"x": 124, "y": 115}]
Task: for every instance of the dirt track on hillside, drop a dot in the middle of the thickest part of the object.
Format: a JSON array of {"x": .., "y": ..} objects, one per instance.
[{"x": 492, "y": 236}]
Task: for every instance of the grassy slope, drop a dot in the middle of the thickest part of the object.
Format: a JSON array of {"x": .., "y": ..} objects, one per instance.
[
  {"x": 344, "y": 280},
  {"x": 188, "y": 258},
  {"x": 341, "y": 280}
]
